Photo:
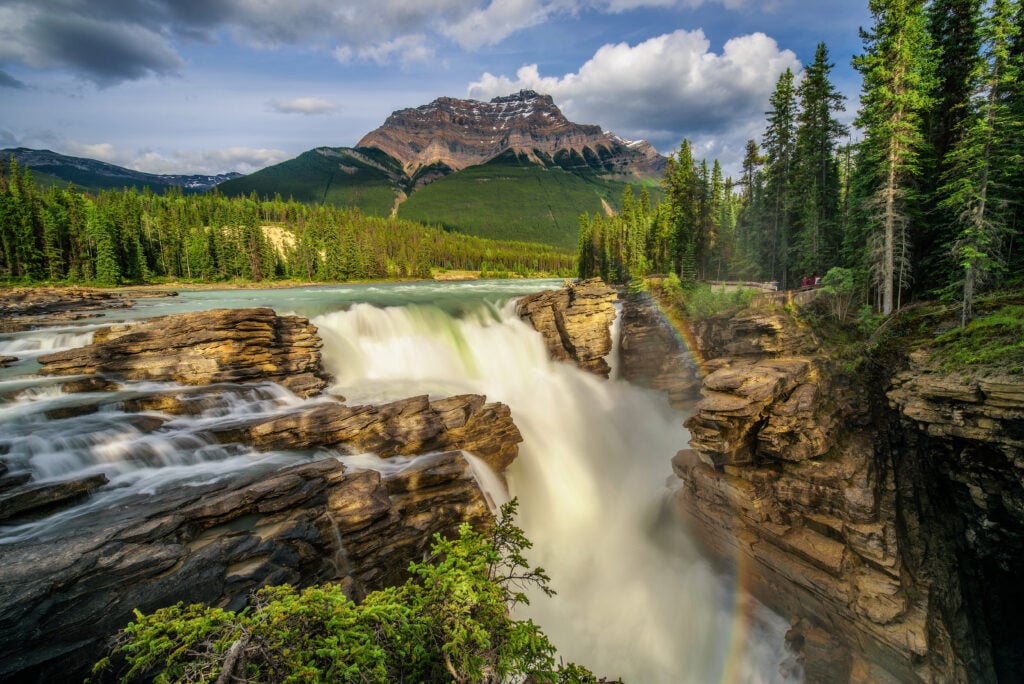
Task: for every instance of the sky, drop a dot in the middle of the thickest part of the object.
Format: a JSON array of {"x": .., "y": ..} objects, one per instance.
[{"x": 210, "y": 86}]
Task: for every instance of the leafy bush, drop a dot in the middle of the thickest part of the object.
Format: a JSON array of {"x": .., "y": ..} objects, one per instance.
[
  {"x": 838, "y": 285},
  {"x": 703, "y": 301},
  {"x": 449, "y": 622}
]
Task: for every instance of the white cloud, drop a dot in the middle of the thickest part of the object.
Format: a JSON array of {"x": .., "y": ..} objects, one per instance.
[
  {"x": 664, "y": 89},
  {"x": 303, "y": 105},
  {"x": 208, "y": 161},
  {"x": 408, "y": 49},
  {"x": 491, "y": 24}
]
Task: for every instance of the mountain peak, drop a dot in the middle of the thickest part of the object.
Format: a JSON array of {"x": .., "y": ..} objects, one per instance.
[{"x": 450, "y": 134}]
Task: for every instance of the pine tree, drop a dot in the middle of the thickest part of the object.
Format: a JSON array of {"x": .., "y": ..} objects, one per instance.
[
  {"x": 896, "y": 71},
  {"x": 817, "y": 169},
  {"x": 953, "y": 28},
  {"x": 780, "y": 151},
  {"x": 682, "y": 196},
  {"x": 974, "y": 193}
]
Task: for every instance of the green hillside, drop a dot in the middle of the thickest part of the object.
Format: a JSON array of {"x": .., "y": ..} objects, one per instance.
[
  {"x": 344, "y": 177},
  {"x": 508, "y": 199}
]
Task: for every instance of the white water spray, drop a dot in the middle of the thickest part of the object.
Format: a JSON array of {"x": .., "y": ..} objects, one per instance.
[{"x": 634, "y": 598}]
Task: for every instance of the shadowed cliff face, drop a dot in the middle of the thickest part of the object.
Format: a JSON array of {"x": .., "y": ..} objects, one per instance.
[
  {"x": 882, "y": 512},
  {"x": 459, "y": 133}
]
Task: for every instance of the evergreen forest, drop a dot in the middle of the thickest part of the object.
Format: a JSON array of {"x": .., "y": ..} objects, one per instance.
[
  {"x": 922, "y": 199},
  {"x": 61, "y": 235}
]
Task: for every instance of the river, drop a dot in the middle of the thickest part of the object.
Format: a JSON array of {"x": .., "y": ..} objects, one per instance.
[{"x": 635, "y": 598}]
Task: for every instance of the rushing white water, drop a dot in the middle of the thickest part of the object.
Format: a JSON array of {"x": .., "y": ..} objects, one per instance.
[
  {"x": 635, "y": 599},
  {"x": 37, "y": 343}
]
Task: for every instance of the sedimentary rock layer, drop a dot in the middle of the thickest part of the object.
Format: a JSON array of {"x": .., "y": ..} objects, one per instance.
[
  {"x": 575, "y": 322},
  {"x": 785, "y": 473},
  {"x": 223, "y": 345}
]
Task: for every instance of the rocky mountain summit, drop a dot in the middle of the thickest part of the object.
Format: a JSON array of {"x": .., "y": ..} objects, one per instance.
[{"x": 452, "y": 134}]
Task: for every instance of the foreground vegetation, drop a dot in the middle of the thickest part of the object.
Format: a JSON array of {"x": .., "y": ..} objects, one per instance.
[
  {"x": 450, "y": 622},
  {"x": 61, "y": 235}
]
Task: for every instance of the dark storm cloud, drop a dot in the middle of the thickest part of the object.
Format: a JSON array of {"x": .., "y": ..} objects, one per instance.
[
  {"x": 103, "y": 52},
  {"x": 8, "y": 81}
]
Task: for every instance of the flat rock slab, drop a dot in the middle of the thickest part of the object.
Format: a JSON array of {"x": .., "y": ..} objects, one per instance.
[{"x": 222, "y": 345}]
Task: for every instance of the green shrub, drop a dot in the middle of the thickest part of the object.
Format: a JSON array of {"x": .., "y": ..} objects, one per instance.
[
  {"x": 449, "y": 622},
  {"x": 703, "y": 301},
  {"x": 992, "y": 339}
]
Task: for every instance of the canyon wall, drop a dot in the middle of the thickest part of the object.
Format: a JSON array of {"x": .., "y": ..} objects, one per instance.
[{"x": 880, "y": 510}]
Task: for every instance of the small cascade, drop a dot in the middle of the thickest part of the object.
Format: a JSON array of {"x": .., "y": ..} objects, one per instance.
[{"x": 39, "y": 342}]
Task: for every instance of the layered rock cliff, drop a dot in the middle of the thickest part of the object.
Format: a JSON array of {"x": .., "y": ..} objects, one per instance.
[
  {"x": 223, "y": 345},
  {"x": 450, "y": 134},
  {"x": 312, "y": 522},
  {"x": 65, "y": 588},
  {"x": 575, "y": 322},
  {"x": 879, "y": 510}
]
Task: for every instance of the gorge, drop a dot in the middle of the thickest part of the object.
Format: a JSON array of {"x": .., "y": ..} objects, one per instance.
[{"x": 812, "y": 494}]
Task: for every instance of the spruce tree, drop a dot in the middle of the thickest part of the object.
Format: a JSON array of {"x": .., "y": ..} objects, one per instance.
[
  {"x": 953, "y": 27},
  {"x": 897, "y": 72},
  {"x": 682, "y": 195},
  {"x": 780, "y": 150},
  {"x": 817, "y": 169},
  {"x": 974, "y": 192}
]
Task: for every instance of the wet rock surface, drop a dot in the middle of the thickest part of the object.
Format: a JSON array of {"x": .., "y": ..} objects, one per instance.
[
  {"x": 60, "y": 595},
  {"x": 64, "y": 590},
  {"x": 38, "y": 498},
  {"x": 222, "y": 345},
  {"x": 575, "y": 322},
  {"x": 409, "y": 426},
  {"x": 28, "y": 307},
  {"x": 652, "y": 353}
]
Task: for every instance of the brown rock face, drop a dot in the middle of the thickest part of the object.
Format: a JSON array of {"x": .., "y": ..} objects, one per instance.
[
  {"x": 313, "y": 522},
  {"x": 460, "y": 133},
  {"x": 575, "y": 322},
  {"x": 409, "y": 426},
  {"x": 652, "y": 354},
  {"x": 786, "y": 472},
  {"x": 223, "y": 345},
  {"x": 962, "y": 449}
]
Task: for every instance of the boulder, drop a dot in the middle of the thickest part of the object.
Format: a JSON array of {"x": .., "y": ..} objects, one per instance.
[
  {"x": 575, "y": 322},
  {"x": 223, "y": 345}
]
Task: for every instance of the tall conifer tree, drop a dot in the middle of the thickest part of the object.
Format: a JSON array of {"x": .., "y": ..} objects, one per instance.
[
  {"x": 975, "y": 192},
  {"x": 897, "y": 74},
  {"x": 780, "y": 150},
  {"x": 817, "y": 169}
]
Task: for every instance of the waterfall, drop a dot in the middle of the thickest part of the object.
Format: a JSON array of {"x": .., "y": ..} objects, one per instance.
[{"x": 635, "y": 599}]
